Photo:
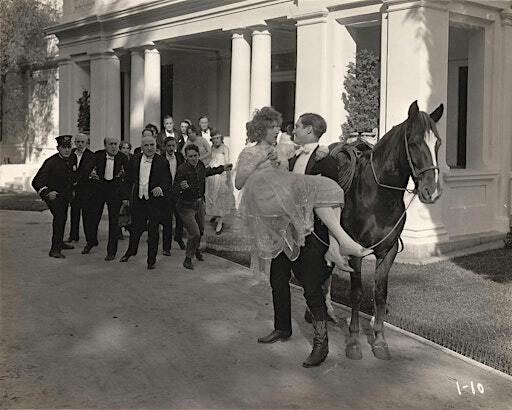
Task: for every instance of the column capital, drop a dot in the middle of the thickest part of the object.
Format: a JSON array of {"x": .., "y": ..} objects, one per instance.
[
  {"x": 396, "y": 5},
  {"x": 318, "y": 16},
  {"x": 506, "y": 18},
  {"x": 261, "y": 31},
  {"x": 240, "y": 33},
  {"x": 103, "y": 55},
  {"x": 63, "y": 60}
]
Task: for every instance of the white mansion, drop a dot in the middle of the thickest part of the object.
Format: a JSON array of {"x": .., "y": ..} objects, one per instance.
[{"x": 142, "y": 59}]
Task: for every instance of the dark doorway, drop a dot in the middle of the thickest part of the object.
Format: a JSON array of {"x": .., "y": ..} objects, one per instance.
[
  {"x": 122, "y": 105},
  {"x": 166, "y": 91},
  {"x": 283, "y": 99},
  {"x": 462, "y": 117}
]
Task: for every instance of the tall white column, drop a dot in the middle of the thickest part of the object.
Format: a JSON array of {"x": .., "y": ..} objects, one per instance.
[
  {"x": 260, "y": 70},
  {"x": 65, "y": 97},
  {"x": 423, "y": 78},
  {"x": 152, "y": 87},
  {"x": 240, "y": 92},
  {"x": 504, "y": 208},
  {"x": 312, "y": 57},
  {"x": 105, "y": 98},
  {"x": 136, "y": 97}
]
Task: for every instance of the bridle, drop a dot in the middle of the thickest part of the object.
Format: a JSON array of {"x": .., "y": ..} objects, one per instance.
[
  {"x": 414, "y": 191},
  {"x": 415, "y": 173}
]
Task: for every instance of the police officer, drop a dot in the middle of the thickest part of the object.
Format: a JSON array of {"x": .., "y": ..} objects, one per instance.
[{"x": 54, "y": 182}]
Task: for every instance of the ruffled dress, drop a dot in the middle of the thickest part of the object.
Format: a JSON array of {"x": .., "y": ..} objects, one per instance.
[
  {"x": 219, "y": 196},
  {"x": 277, "y": 205}
]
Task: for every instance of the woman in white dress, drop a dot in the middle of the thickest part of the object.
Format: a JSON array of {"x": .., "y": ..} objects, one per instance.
[
  {"x": 220, "y": 200},
  {"x": 278, "y": 205}
]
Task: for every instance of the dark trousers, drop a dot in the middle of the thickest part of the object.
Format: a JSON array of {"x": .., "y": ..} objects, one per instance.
[
  {"x": 145, "y": 214},
  {"x": 193, "y": 222},
  {"x": 79, "y": 208},
  {"x": 170, "y": 212},
  {"x": 59, "y": 209},
  {"x": 106, "y": 193},
  {"x": 311, "y": 270}
]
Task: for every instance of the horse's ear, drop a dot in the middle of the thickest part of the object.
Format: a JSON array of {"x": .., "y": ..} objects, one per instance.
[
  {"x": 437, "y": 113},
  {"x": 413, "y": 111}
]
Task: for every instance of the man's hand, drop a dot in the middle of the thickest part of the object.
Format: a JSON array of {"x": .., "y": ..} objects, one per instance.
[
  {"x": 157, "y": 191},
  {"x": 272, "y": 155},
  {"x": 125, "y": 202},
  {"x": 52, "y": 195},
  {"x": 184, "y": 184},
  {"x": 228, "y": 167}
]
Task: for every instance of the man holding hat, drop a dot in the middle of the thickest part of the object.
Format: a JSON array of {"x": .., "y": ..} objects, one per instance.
[{"x": 54, "y": 182}]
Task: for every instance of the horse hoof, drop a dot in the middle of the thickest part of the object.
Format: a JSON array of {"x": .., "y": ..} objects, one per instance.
[
  {"x": 353, "y": 352},
  {"x": 381, "y": 351}
]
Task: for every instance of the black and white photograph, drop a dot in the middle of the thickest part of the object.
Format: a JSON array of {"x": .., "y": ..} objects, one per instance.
[{"x": 256, "y": 204}]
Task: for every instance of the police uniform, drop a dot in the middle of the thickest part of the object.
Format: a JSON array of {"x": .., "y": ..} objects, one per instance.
[{"x": 57, "y": 174}]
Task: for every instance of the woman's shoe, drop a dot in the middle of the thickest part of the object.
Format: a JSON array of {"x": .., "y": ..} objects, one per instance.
[
  {"x": 218, "y": 228},
  {"x": 339, "y": 260}
]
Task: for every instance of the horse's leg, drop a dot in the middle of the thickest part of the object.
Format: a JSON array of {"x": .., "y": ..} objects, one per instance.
[
  {"x": 353, "y": 348},
  {"x": 380, "y": 347}
]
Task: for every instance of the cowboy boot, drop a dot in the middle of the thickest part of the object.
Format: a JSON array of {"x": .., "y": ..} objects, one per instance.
[{"x": 320, "y": 344}]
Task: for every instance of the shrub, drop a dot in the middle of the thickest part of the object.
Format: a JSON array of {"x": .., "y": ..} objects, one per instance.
[{"x": 84, "y": 113}]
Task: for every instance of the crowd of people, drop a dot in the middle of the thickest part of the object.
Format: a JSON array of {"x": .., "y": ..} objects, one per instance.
[
  {"x": 162, "y": 183},
  {"x": 291, "y": 202}
]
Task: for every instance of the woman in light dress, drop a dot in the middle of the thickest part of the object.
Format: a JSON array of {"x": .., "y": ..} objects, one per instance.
[
  {"x": 220, "y": 200},
  {"x": 278, "y": 205}
]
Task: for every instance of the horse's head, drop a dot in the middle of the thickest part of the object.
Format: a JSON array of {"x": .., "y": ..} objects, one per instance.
[{"x": 422, "y": 143}]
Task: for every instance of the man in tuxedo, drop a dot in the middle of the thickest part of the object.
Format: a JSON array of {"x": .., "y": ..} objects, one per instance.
[
  {"x": 175, "y": 159},
  {"x": 180, "y": 142},
  {"x": 107, "y": 181},
  {"x": 148, "y": 180},
  {"x": 84, "y": 163},
  {"x": 310, "y": 267},
  {"x": 204, "y": 127},
  {"x": 168, "y": 130},
  {"x": 54, "y": 182}
]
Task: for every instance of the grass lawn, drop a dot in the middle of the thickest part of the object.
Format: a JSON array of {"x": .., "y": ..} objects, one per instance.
[
  {"x": 26, "y": 201},
  {"x": 464, "y": 304}
]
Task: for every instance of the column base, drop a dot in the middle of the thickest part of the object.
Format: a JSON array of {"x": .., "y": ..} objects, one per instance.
[{"x": 421, "y": 251}]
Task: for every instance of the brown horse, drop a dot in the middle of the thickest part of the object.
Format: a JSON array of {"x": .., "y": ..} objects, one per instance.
[{"x": 374, "y": 210}]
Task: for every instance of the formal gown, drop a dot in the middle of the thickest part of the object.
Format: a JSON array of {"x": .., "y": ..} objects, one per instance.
[
  {"x": 277, "y": 205},
  {"x": 219, "y": 196}
]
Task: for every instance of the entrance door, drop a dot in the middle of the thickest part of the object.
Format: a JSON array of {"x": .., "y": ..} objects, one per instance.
[
  {"x": 283, "y": 99},
  {"x": 166, "y": 91}
]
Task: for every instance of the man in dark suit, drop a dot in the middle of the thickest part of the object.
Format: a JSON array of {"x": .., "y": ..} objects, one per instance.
[
  {"x": 54, "y": 182},
  {"x": 107, "y": 181},
  {"x": 174, "y": 159},
  {"x": 84, "y": 163},
  {"x": 204, "y": 127},
  {"x": 168, "y": 130},
  {"x": 188, "y": 188},
  {"x": 148, "y": 180},
  {"x": 310, "y": 267}
]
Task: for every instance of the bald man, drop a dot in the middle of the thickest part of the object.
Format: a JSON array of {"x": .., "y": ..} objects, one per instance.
[{"x": 108, "y": 186}]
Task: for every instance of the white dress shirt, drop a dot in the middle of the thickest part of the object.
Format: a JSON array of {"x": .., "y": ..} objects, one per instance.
[
  {"x": 78, "y": 157},
  {"x": 144, "y": 171},
  {"x": 173, "y": 164},
  {"x": 205, "y": 134},
  {"x": 170, "y": 134},
  {"x": 302, "y": 160},
  {"x": 109, "y": 168}
]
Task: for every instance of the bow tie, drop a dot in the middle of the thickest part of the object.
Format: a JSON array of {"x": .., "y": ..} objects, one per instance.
[
  {"x": 149, "y": 160},
  {"x": 110, "y": 157},
  {"x": 303, "y": 150}
]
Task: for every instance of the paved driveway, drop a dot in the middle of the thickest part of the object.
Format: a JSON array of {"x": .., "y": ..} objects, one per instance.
[{"x": 85, "y": 333}]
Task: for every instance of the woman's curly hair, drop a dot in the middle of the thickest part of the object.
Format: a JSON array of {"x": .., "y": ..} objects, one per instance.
[{"x": 262, "y": 120}]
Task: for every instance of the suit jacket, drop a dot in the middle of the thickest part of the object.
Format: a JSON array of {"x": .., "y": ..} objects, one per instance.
[
  {"x": 328, "y": 167},
  {"x": 84, "y": 169},
  {"x": 120, "y": 167},
  {"x": 161, "y": 136},
  {"x": 159, "y": 176}
]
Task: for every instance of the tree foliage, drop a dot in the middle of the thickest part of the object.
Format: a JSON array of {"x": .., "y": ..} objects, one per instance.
[
  {"x": 362, "y": 94},
  {"x": 23, "y": 43},
  {"x": 84, "y": 112}
]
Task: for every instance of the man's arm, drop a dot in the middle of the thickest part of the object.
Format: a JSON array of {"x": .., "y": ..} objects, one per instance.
[
  {"x": 328, "y": 167},
  {"x": 209, "y": 171},
  {"x": 40, "y": 181}
]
